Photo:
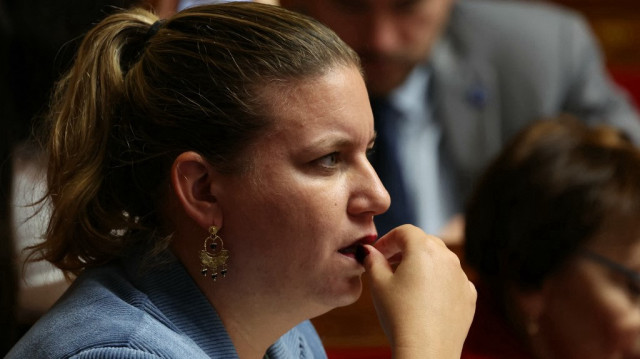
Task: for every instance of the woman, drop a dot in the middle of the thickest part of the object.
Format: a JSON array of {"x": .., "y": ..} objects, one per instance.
[
  {"x": 211, "y": 189},
  {"x": 553, "y": 233}
]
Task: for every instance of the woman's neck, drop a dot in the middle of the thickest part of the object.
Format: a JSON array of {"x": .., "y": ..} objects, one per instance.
[
  {"x": 253, "y": 316},
  {"x": 253, "y": 321}
]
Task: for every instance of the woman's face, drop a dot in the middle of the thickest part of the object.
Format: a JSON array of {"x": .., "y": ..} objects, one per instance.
[
  {"x": 292, "y": 221},
  {"x": 592, "y": 311}
]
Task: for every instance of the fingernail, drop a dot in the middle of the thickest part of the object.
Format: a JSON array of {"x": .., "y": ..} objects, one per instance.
[{"x": 361, "y": 253}]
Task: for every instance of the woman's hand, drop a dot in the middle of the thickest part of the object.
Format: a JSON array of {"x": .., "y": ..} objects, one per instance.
[{"x": 423, "y": 298}]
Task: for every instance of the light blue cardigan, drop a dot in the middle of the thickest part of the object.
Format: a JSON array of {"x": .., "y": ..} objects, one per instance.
[{"x": 111, "y": 313}]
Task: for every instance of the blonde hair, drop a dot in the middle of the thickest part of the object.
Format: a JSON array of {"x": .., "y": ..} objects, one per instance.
[{"x": 133, "y": 101}]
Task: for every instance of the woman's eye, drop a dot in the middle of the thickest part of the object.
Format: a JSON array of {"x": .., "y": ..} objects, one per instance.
[
  {"x": 633, "y": 287},
  {"x": 328, "y": 161}
]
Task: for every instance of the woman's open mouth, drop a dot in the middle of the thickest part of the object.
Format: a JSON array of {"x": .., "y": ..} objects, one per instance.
[
  {"x": 350, "y": 251},
  {"x": 356, "y": 251}
]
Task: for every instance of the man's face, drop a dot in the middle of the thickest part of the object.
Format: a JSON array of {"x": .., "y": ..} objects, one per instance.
[{"x": 391, "y": 36}]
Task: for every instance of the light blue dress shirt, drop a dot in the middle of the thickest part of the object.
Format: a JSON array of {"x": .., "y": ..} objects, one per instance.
[{"x": 426, "y": 176}]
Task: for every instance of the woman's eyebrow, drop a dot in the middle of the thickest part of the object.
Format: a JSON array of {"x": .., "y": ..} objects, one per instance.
[
  {"x": 333, "y": 141},
  {"x": 328, "y": 142}
]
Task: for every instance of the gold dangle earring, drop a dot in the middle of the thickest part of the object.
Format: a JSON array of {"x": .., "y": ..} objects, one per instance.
[
  {"x": 214, "y": 256},
  {"x": 532, "y": 326}
]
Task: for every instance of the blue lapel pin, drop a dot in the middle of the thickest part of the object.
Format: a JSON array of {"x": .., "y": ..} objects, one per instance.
[{"x": 477, "y": 96}]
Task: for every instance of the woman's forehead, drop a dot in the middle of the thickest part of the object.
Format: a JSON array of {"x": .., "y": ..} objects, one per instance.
[
  {"x": 335, "y": 92},
  {"x": 327, "y": 108}
]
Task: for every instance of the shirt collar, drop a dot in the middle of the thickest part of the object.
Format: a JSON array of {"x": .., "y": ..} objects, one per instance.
[{"x": 411, "y": 96}]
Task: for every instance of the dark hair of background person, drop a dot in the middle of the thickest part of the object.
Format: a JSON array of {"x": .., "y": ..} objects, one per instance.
[
  {"x": 551, "y": 190},
  {"x": 37, "y": 41}
]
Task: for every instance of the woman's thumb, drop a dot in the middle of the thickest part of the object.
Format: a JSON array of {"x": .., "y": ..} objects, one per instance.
[{"x": 375, "y": 264}]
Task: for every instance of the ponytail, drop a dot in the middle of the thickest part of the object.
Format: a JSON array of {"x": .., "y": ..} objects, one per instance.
[{"x": 86, "y": 106}]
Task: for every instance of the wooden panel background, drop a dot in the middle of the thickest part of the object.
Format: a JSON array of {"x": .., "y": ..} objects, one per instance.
[{"x": 616, "y": 24}]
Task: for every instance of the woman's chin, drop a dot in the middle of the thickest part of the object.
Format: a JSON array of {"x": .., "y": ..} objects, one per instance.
[{"x": 350, "y": 293}]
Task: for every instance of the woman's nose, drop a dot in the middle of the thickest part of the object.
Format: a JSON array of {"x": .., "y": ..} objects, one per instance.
[{"x": 370, "y": 195}]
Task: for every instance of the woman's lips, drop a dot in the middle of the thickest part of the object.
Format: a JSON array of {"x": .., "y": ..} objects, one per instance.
[
  {"x": 369, "y": 239},
  {"x": 351, "y": 250},
  {"x": 361, "y": 253},
  {"x": 356, "y": 250}
]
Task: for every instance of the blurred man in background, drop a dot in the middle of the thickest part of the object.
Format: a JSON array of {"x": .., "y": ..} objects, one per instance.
[{"x": 451, "y": 81}]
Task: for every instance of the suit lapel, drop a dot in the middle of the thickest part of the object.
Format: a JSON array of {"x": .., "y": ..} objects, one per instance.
[{"x": 465, "y": 102}]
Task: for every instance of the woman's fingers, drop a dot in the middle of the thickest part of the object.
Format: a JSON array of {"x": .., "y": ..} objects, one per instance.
[{"x": 425, "y": 301}]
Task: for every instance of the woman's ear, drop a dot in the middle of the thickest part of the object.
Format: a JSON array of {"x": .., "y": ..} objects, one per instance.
[
  {"x": 531, "y": 305},
  {"x": 193, "y": 181}
]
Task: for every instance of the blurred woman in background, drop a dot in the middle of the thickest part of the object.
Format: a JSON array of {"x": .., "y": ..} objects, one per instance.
[{"x": 553, "y": 234}]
